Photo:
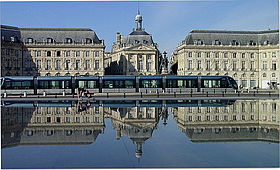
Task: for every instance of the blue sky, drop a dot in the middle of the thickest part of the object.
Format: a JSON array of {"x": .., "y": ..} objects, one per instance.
[{"x": 169, "y": 22}]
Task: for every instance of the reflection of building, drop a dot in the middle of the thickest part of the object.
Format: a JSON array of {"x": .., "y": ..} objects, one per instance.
[
  {"x": 250, "y": 57},
  {"x": 137, "y": 123},
  {"x": 51, "y": 51},
  {"x": 136, "y": 54},
  {"x": 249, "y": 120},
  {"x": 51, "y": 125}
]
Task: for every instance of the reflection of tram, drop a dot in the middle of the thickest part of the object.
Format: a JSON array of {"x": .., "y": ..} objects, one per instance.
[
  {"x": 122, "y": 103},
  {"x": 58, "y": 85}
]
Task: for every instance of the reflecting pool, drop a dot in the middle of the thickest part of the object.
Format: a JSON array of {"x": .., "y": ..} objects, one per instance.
[{"x": 141, "y": 134}]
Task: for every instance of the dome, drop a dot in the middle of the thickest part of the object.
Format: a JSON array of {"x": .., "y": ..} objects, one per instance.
[{"x": 138, "y": 18}]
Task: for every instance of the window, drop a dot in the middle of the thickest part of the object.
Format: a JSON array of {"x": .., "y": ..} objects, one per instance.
[
  {"x": 149, "y": 66},
  {"x": 97, "y": 54},
  {"x": 243, "y": 55},
  {"x": 225, "y": 65},
  {"x": 48, "y": 65},
  {"x": 149, "y": 57},
  {"x": 67, "y": 53},
  {"x": 264, "y": 65},
  {"x": 225, "y": 55},
  {"x": 38, "y": 64},
  {"x": 49, "y": 40},
  {"x": 87, "y": 53},
  {"x": 252, "y": 83},
  {"x": 198, "y": 65},
  {"x": 77, "y": 64},
  {"x": 234, "y": 65},
  {"x": 244, "y": 83},
  {"x": 274, "y": 107},
  {"x": 87, "y": 64},
  {"x": 67, "y": 64},
  {"x": 273, "y": 65},
  {"x": 58, "y": 53},
  {"x": 57, "y": 64},
  {"x": 190, "y": 65},
  {"x": 252, "y": 55},
  {"x": 49, "y": 54},
  {"x": 264, "y": 55},
  {"x": 140, "y": 65},
  {"x": 208, "y": 65},
  {"x": 217, "y": 42},
  {"x": 208, "y": 55},
  {"x": 199, "y": 54},
  {"x": 243, "y": 65},
  {"x": 38, "y": 53},
  {"x": 216, "y": 65},
  {"x": 273, "y": 54},
  {"x": 233, "y": 55},
  {"x": 68, "y": 40},
  {"x": 29, "y": 40},
  {"x": 77, "y": 53},
  {"x": 190, "y": 54},
  {"x": 252, "y": 65},
  {"x": 217, "y": 55},
  {"x": 234, "y": 42},
  {"x": 96, "y": 64},
  {"x": 88, "y": 41}
]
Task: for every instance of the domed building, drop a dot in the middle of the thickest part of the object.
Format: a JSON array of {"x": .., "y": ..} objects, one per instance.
[{"x": 136, "y": 54}]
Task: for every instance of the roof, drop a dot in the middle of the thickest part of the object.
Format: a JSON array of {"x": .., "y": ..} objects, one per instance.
[
  {"x": 208, "y": 37},
  {"x": 59, "y": 35}
]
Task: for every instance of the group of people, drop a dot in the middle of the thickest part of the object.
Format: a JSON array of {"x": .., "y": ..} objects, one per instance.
[{"x": 83, "y": 92}]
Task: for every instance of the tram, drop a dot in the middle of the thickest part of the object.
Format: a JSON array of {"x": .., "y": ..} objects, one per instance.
[{"x": 116, "y": 84}]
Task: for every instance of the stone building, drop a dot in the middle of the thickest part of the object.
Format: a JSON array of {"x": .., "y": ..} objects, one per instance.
[
  {"x": 50, "y": 52},
  {"x": 137, "y": 123},
  {"x": 136, "y": 54},
  {"x": 246, "y": 120},
  {"x": 50, "y": 125},
  {"x": 250, "y": 57}
]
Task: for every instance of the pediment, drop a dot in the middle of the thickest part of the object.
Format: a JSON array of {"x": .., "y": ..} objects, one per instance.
[{"x": 140, "y": 47}]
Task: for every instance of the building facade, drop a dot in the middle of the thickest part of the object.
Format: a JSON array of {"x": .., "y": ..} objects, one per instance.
[
  {"x": 250, "y": 57},
  {"x": 136, "y": 54},
  {"x": 50, "y": 52},
  {"x": 246, "y": 120}
]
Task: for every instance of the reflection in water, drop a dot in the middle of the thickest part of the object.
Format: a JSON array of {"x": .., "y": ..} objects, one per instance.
[
  {"x": 247, "y": 120},
  {"x": 61, "y": 123}
]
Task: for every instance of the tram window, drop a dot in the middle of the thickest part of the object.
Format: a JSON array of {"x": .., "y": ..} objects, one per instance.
[
  {"x": 191, "y": 84},
  {"x": 129, "y": 84},
  {"x": 108, "y": 84},
  {"x": 181, "y": 84},
  {"x": 55, "y": 85},
  {"x": 224, "y": 83},
  {"x": 211, "y": 84},
  {"x": 43, "y": 84},
  {"x": 118, "y": 84},
  {"x": 87, "y": 84},
  {"x": 18, "y": 85},
  {"x": 172, "y": 83},
  {"x": 150, "y": 84}
]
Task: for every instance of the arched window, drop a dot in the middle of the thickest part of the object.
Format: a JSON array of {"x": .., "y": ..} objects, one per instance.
[
  {"x": 234, "y": 42},
  {"x": 264, "y": 75},
  {"x": 88, "y": 41},
  {"x": 48, "y": 74},
  {"x": 87, "y": 74},
  {"x": 49, "y": 54},
  {"x": 49, "y": 40},
  {"x": 57, "y": 74},
  {"x": 67, "y": 74},
  {"x": 273, "y": 75},
  {"x": 68, "y": 40},
  {"x": 77, "y": 74}
]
